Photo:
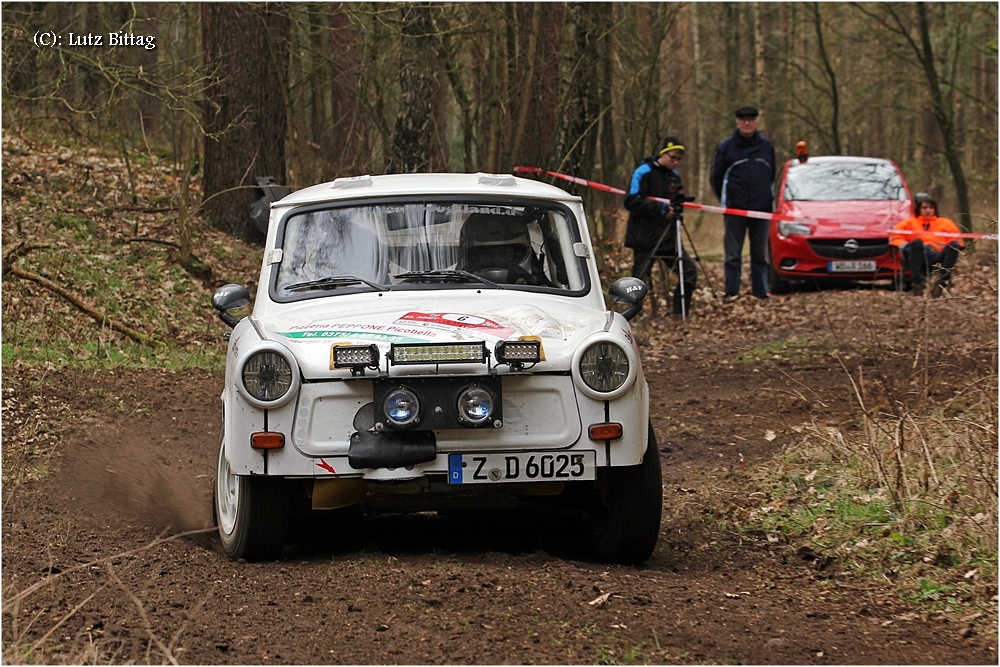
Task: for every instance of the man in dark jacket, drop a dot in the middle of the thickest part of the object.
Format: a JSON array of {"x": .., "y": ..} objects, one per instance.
[
  {"x": 742, "y": 176},
  {"x": 650, "y": 221}
]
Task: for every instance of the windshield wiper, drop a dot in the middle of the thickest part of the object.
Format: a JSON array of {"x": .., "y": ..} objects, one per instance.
[
  {"x": 445, "y": 276},
  {"x": 332, "y": 282}
]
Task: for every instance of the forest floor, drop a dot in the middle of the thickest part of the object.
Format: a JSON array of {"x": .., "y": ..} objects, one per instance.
[
  {"x": 88, "y": 561},
  {"x": 107, "y": 467}
]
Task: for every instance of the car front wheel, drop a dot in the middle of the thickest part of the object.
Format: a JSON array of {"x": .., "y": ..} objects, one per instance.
[
  {"x": 625, "y": 523},
  {"x": 251, "y": 512},
  {"x": 775, "y": 283}
]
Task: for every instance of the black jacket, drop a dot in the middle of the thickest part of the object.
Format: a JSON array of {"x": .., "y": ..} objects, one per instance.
[
  {"x": 743, "y": 172},
  {"x": 646, "y": 220}
]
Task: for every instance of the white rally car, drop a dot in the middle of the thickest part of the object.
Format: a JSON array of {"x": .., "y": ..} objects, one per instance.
[{"x": 434, "y": 342}]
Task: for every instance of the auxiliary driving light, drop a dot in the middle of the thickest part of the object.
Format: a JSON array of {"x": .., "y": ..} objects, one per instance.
[
  {"x": 354, "y": 356},
  {"x": 401, "y": 407},
  {"x": 438, "y": 353},
  {"x": 475, "y": 405},
  {"x": 517, "y": 352}
]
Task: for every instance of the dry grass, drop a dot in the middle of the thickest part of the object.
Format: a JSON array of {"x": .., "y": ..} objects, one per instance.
[{"x": 906, "y": 491}]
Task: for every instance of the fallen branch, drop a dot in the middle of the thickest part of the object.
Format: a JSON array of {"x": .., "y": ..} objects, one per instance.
[
  {"x": 146, "y": 209},
  {"x": 100, "y": 317},
  {"x": 143, "y": 239},
  {"x": 18, "y": 251}
]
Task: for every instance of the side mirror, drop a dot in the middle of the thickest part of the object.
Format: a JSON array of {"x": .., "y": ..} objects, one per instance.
[
  {"x": 629, "y": 291},
  {"x": 229, "y": 297}
]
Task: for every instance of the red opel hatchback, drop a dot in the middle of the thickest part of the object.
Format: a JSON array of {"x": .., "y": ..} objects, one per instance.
[{"x": 844, "y": 208}]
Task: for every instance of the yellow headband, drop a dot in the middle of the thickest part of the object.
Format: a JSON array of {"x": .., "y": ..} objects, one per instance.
[{"x": 671, "y": 147}]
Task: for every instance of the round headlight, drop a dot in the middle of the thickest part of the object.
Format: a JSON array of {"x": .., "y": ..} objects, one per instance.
[
  {"x": 475, "y": 405},
  {"x": 267, "y": 376},
  {"x": 604, "y": 367},
  {"x": 401, "y": 407}
]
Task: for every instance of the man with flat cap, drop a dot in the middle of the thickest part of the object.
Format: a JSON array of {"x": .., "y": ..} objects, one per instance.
[{"x": 742, "y": 176}]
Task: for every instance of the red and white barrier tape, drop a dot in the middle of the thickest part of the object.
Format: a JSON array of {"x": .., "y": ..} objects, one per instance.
[{"x": 760, "y": 215}]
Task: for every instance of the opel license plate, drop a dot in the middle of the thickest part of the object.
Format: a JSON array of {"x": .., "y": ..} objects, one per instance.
[
  {"x": 521, "y": 467},
  {"x": 852, "y": 266}
]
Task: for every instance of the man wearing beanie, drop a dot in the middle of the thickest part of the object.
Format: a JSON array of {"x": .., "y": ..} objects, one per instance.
[
  {"x": 742, "y": 176},
  {"x": 651, "y": 222}
]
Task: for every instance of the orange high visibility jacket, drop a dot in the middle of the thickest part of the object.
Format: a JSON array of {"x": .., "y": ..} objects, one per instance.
[{"x": 924, "y": 229}]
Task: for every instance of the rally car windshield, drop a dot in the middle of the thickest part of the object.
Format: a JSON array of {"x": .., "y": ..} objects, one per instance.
[
  {"x": 444, "y": 245},
  {"x": 844, "y": 181}
]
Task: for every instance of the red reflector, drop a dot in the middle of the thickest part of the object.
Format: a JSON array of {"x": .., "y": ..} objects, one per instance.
[
  {"x": 610, "y": 431},
  {"x": 267, "y": 440}
]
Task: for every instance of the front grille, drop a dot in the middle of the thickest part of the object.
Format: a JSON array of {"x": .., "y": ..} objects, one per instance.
[{"x": 834, "y": 248}]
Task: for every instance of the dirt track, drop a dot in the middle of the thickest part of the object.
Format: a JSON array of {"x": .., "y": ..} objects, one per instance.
[{"x": 134, "y": 459}]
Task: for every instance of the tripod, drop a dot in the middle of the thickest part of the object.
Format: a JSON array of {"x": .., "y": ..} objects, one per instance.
[{"x": 678, "y": 266}]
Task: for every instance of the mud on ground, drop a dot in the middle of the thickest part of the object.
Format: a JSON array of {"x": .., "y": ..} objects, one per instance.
[{"x": 92, "y": 572}]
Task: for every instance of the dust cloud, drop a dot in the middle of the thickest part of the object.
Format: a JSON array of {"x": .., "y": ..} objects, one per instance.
[{"x": 140, "y": 479}]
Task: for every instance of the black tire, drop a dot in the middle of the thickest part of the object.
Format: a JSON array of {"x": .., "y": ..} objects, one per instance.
[
  {"x": 625, "y": 524},
  {"x": 775, "y": 283},
  {"x": 251, "y": 513}
]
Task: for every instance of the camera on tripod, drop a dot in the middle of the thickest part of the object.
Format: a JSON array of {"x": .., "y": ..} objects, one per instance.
[{"x": 677, "y": 203}]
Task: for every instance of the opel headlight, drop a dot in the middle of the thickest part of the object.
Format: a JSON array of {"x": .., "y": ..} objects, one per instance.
[
  {"x": 604, "y": 367},
  {"x": 786, "y": 228}
]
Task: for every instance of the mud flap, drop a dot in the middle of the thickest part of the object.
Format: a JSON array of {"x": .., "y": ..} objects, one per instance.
[{"x": 391, "y": 449}]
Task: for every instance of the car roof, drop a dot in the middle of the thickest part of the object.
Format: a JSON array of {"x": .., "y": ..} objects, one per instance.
[
  {"x": 821, "y": 159},
  {"x": 504, "y": 185}
]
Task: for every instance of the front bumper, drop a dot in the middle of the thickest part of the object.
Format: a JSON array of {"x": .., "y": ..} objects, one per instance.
[
  {"x": 541, "y": 412},
  {"x": 809, "y": 257}
]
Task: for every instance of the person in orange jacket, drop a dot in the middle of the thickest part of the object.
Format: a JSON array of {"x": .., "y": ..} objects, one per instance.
[{"x": 923, "y": 247}]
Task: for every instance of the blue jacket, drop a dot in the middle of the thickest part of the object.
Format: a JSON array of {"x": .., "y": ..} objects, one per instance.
[
  {"x": 743, "y": 172},
  {"x": 646, "y": 218}
]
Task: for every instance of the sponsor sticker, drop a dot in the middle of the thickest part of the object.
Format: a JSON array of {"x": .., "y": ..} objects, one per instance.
[
  {"x": 373, "y": 336},
  {"x": 459, "y": 322}
]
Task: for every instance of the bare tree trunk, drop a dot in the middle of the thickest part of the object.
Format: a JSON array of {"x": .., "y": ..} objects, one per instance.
[
  {"x": 462, "y": 96},
  {"x": 411, "y": 140},
  {"x": 699, "y": 122},
  {"x": 831, "y": 76},
  {"x": 577, "y": 136},
  {"x": 610, "y": 168},
  {"x": 245, "y": 47},
  {"x": 526, "y": 97},
  {"x": 944, "y": 112},
  {"x": 758, "y": 45},
  {"x": 733, "y": 29}
]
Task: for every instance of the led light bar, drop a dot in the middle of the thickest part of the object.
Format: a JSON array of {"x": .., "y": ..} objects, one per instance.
[
  {"x": 438, "y": 353},
  {"x": 354, "y": 356},
  {"x": 519, "y": 351}
]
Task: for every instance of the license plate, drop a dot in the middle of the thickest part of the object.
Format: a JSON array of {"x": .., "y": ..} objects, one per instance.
[
  {"x": 852, "y": 266},
  {"x": 521, "y": 467}
]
